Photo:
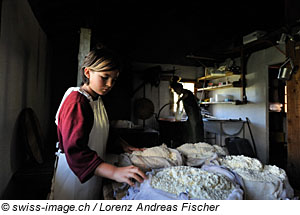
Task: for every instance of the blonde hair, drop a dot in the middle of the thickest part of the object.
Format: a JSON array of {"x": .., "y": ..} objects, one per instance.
[{"x": 100, "y": 60}]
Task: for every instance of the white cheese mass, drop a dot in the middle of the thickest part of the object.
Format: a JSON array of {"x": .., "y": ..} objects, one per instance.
[
  {"x": 252, "y": 169},
  {"x": 241, "y": 162},
  {"x": 199, "y": 184}
]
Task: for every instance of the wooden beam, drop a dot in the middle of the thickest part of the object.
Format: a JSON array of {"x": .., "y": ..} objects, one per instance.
[
  {"x": 293, "y": 118},
  {"x": 84, "y": 48}
]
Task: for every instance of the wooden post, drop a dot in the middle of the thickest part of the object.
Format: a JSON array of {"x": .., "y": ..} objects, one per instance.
[
  {"x": 293, "y": 117},
  {"x": 84, "y": 48}
]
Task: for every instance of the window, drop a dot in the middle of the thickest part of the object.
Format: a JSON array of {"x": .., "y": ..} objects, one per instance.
[
  {"x": 0, "y": 14},
  {"x": 186, "y": 85},
  {"x": 285, "y": 99}
]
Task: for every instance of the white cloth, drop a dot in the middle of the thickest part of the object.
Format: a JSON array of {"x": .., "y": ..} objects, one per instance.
[
  {"x": 66, "y": 185},
  {"x": 152, "y": 158},
  {"x": 196, "y": 154}
]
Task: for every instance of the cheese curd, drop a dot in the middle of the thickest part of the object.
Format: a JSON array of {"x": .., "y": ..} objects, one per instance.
[
  {"x": 252, "y": 169},
  {"x": 260, "y": 181},
  {"x": 241, "y": 162},
  {"x": 197, "y": 183}
]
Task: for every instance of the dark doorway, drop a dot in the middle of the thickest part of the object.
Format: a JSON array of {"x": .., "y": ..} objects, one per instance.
[{"x": 277, "y": 119}]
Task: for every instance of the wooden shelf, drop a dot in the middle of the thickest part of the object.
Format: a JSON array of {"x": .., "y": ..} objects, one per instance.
[
  {"x": 215, "y": 87},
  {"x": 211, "y": 103},
  {"x": 216, "y": 76}
]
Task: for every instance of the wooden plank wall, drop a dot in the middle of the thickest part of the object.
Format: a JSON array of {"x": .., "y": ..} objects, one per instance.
[{"x": 293, "y": 118}]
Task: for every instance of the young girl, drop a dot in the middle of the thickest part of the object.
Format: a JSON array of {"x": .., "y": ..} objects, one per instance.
[{"x": 82, "y": 127}]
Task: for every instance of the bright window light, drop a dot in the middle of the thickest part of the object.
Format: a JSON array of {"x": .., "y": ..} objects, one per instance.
[{"x": 285, "y": 99}]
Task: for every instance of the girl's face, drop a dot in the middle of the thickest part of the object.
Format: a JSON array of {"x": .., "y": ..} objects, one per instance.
[{"x": 101, "y": 82}]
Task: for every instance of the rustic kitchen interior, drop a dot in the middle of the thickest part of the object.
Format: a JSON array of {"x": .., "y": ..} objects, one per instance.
[{"x": 241, "y": 61}]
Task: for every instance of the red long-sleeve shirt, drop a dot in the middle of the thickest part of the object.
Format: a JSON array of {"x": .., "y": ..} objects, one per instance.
[{"x": 75, "y": 122}]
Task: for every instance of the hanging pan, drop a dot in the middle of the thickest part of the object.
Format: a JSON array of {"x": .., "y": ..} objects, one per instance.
[{"x": 143, "y": 108}]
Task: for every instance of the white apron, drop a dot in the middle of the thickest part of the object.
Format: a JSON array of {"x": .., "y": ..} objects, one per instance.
[{"x": 65, "y": 184}]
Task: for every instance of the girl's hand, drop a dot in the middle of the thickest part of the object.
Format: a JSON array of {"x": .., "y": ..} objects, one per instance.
[{"x": 126, "y": 174}]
